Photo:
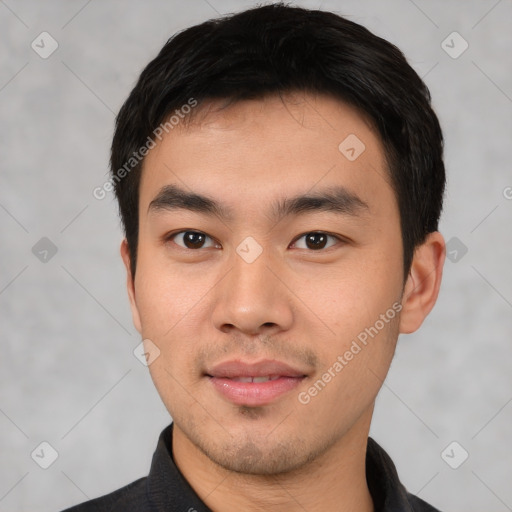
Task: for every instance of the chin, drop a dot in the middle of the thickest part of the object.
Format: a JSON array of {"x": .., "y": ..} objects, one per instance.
[{"x": 259, "y": 456}]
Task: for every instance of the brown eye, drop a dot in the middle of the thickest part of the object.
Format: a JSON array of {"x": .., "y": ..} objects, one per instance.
[
  {"x": 315, "y": 240},
  {"x": 190, "y": 239}
]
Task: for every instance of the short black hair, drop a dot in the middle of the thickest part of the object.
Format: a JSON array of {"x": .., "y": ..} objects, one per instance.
[{"x": 275, "y": 49}]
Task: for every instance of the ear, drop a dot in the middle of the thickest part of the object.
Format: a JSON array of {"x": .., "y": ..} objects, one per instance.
[
  {"x": 423, "y": 282},
  {"x": 130, "y": 285}
]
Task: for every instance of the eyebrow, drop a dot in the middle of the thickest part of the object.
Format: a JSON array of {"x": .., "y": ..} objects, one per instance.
[{"x": 336, "y": 199}]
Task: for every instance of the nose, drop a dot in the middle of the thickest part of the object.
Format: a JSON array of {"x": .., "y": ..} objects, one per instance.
[{"x": 253, "y": 298}]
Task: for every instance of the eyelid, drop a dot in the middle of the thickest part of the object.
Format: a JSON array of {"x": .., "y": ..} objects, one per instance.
[
  {"x": 332, "y": 235},
  {"x": 170, "y": 236}
]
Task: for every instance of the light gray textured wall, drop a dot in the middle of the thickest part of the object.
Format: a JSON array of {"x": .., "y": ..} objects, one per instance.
[{"x": 67, "y": 372}]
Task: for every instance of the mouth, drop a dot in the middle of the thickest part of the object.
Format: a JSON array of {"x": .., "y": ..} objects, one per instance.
[
  {"x": 257, "y": 379},
  {"x": 254, "y": 384}
]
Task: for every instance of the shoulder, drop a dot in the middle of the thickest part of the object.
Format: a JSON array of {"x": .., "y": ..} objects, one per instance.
[
  {"x": 388, "y": 493},
  {"x": 418, "y": 505},
  {"x": 132, "y": 497}
]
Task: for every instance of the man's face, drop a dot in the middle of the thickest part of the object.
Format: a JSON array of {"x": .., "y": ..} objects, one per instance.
[{"x": 256, "y": 293}]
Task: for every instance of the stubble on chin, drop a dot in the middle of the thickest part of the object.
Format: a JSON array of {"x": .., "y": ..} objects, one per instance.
[{"x": 254, "y": 453}]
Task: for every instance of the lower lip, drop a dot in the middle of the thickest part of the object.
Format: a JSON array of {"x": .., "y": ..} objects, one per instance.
[{"x": 254, "y": 393}]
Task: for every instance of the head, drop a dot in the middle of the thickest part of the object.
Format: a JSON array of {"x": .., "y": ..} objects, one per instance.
[{"x": 280, "y": 180}]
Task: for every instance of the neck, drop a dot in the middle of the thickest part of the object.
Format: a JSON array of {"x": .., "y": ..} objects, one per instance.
[{"x": 336, "y": 480}]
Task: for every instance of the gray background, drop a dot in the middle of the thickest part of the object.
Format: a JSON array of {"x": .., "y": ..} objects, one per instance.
[{"x": 68, "y": 375}]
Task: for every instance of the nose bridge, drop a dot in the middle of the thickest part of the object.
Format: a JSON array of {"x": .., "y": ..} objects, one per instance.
[
  {"x": 251, "y": 276},
  {"x": 250, "y": 297}
]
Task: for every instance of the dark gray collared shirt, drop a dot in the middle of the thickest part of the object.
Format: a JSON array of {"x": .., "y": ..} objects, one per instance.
[{"x": 166, "y": 490}]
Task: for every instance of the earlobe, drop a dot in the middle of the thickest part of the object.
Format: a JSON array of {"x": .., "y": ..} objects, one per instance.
[
  {"x": 130, "y": 285},
  {"x": 423, "y": 283}
]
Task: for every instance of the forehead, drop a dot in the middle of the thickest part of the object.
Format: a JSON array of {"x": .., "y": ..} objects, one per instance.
[{"x": 254, "y": 152}]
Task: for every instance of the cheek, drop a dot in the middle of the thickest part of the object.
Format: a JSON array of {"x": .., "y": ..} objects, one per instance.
[
  {"x": 355, "y": 362},
  {"x": 171, "y": 306},
  {"x": 352, "y": 296},
  {"x": 360, "y": 304},
  {"x": 165, "y": 295}
]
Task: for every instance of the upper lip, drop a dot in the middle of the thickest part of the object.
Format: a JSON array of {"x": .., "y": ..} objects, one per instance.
[{"x": 237, "y": 368}]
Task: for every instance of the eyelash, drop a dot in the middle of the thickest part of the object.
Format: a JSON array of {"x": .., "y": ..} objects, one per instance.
[{"x": 171, "y": 236}]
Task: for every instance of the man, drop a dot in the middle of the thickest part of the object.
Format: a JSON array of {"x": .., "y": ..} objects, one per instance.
[{"x": 280, "y": 179}]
